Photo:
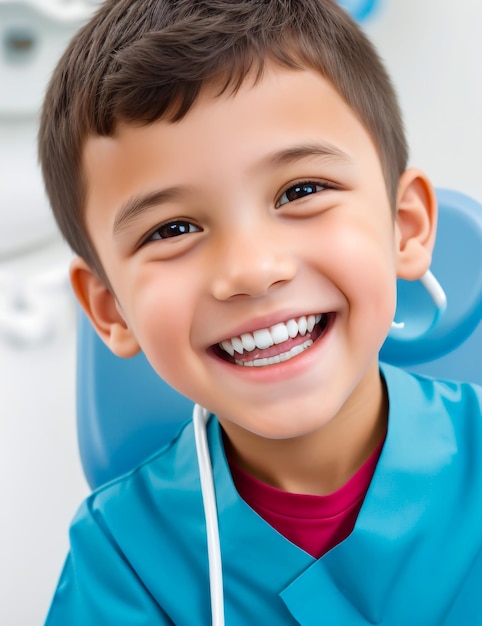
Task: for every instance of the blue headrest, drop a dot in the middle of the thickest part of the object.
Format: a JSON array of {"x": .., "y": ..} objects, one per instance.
[
  {"x": 359, "y": 9},
  {"x": 457, "y": 263},
  {"x": 126, "y": 412}
]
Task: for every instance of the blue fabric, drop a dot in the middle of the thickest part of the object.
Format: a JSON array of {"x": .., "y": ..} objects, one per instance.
[{"x": 139, "y": 556}]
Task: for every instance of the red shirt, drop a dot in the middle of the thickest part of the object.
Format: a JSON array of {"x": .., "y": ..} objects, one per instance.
[{"x": 314, "y": 523}]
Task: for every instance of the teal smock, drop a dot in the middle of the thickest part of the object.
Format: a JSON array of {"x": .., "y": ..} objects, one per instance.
[{"x": 139, "y": 555}]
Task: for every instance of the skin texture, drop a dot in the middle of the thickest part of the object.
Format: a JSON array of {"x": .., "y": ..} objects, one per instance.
[{"x": 246, "y": 258}]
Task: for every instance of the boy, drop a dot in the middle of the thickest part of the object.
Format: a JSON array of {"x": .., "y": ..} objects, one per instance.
[{"x": 232, "y": 176}]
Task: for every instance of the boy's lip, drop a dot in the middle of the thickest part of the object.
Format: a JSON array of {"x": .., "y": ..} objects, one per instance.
[
  {"x": 277, "y": 349},
  {"x": 284, "y": 359},
  {"x": 266, "y": 322}
]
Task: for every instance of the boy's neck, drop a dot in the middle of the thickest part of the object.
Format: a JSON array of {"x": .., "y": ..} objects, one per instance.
[{"x": 318, "y": 463}]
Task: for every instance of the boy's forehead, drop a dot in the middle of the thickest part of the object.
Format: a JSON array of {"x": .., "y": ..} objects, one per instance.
[{"x": 284, "y": 95}]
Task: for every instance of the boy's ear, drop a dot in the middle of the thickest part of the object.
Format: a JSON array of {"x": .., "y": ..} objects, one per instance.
[
  {"x": 101, "y": 307},
  {"x": 416, "y": 223}
]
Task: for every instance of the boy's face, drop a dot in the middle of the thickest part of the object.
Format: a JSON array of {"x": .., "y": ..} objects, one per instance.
[{"x": 255, "y": 211}]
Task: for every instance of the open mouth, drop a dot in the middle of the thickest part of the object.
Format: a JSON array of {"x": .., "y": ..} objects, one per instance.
[{"x": 277, "y": 344}]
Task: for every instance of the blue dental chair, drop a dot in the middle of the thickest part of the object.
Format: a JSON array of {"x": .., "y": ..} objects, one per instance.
[{"x": 126, "y": 412}]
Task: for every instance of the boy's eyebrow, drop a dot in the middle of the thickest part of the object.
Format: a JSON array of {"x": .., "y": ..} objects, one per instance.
[
  {"x": 133, "y": 207},
  {"x": 316, "y": 149}
]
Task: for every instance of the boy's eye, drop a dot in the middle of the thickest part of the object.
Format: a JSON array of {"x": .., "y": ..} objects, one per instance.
[
  {"x": 173, "y": 229},
  {"x": 300, "y": 190}
]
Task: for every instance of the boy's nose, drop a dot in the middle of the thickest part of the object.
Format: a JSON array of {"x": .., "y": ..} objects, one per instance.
[{"x": 251, "y": 268}]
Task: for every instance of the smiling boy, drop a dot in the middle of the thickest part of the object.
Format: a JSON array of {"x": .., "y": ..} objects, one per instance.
[{"x": 232, "y": 176}]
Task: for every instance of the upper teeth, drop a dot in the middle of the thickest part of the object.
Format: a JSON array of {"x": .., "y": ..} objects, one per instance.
[{"x": 267, "y": 337}]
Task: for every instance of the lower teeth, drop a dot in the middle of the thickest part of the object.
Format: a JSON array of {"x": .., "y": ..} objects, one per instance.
[{"x": 279, "y": 358}]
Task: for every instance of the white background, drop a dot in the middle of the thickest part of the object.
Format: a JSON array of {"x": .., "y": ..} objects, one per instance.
[{"x": 432, "y": 49}]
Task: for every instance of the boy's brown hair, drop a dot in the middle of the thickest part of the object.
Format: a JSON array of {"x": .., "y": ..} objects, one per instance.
[{"x": 138, "y": 61}]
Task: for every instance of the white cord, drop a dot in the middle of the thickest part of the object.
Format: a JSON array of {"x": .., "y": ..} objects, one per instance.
[
  {"x": 435, "y": 290},
  {"x": 200, "y": 417},
  {"x": 438, "y": 295}
]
